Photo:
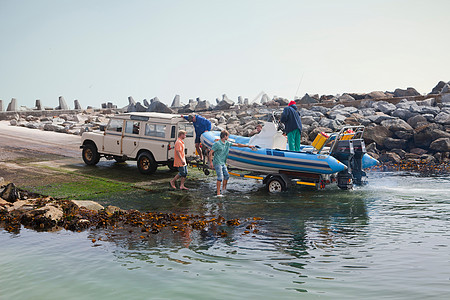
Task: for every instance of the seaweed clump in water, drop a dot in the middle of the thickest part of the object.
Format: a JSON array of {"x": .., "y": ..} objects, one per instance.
[{"x": 48, "y": 214}]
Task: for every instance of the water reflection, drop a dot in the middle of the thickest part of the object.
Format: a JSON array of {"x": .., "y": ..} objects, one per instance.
[{"x": 293, "y": 225}]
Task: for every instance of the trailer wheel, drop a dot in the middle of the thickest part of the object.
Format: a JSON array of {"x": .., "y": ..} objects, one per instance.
[
  {"x": 90, "y": 155},
  {"x": 146, "y": 163},
  {"x": 275, "y": 185}
]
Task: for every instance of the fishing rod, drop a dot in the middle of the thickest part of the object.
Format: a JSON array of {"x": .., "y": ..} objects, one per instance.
[{"x": 298, "y": 87}]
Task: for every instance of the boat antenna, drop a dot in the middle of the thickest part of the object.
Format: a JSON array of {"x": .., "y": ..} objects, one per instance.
[{"x": 298, "y": 87}]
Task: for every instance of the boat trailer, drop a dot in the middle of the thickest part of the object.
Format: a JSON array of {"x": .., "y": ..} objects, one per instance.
[{"x": 347, "y": 146}]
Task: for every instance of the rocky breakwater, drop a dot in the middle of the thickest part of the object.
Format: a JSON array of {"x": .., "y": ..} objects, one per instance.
[
  {"x": 400, "y": 126},
  {"x": 75, "y": 123}
]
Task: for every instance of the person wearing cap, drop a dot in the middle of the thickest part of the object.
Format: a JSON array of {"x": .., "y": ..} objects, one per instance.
[
  {"x": 293, "y": 125},
  {"x": 201, "y": 125}
]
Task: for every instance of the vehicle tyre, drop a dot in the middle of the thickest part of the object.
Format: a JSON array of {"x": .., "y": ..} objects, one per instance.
[
  {"x": 119, "y": 159},
  {"x": 275, "y": 185},
  {"x": 170, "y": 165},
  {"x": 90, "y": 155},
  {"x": 146, "y": 163}
]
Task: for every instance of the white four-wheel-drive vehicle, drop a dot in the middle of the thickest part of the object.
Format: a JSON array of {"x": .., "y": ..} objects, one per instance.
[{"x": 147, "y": 137}]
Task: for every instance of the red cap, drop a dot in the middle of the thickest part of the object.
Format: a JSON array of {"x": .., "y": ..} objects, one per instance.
[{"x": 292, "y": 103}]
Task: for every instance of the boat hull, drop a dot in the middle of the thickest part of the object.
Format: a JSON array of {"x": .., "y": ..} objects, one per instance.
[{"x": 265, "y": 160}]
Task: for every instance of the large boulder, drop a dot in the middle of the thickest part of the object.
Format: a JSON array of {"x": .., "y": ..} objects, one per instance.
[
  {"x": 409, "y": 92},
  {"x": 443, "y": 118},
  {"x": 281, "y": 101},
  {"x": 158, "y": 106},
  {"x": 12, "y": 106},
  {"x": 321, "y": 109},
  {"x": 357, "y": 96},
  {"x": 379, "y": 117},
  {"x": 445, "y": 98},
  {"x": 430, "y": 110},
  {"x": 62, "y": 104},
  {"x": 417, "y": 120},
  {"x": 384, "y": 107},
  {"x": 203, "y": 105},
  {"x": 307, "y": 120},
  {"x": 438, "y": 88},
  {"x": 307, "y": 99},
  {"x": 403, "y": 114},
  {"x": 375, "y": 95},
  {"x": 131, "y": 105},
  {"x": 176, "y": 103},
  {"x": 396, "y": 125},
  {"x": 10, "y": 193},
  {"x": 423, "y": 136},
  {"x": 346, "y": 98},
  {"x": 390, "y": 157},
  {"x": 390, "y": 143},
  {"x": 140, "y": 108},
  {"x": 441, "y": 145},
  {"x": 405, "y": 135},
  {"x": 224, "y": 104},
  {"x": 437, "y": 133},
  {"x": 409, "y": 105},
  {"x": 377, "y": 134},
  {"x": 264, "y": 99}
]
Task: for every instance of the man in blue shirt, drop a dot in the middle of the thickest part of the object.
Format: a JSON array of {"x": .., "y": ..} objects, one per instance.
[
  {"x": 293, "y": 126},
  {"x": 200, "y": 125}
]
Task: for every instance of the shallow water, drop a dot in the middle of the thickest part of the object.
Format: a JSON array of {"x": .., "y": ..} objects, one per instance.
[{"x": 388, "y": 239}]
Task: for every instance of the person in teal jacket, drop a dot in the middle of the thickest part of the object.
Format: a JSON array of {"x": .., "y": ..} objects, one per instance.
[
  {"x": 220, "y": 150},
  {"x": 293, "y": 126}
]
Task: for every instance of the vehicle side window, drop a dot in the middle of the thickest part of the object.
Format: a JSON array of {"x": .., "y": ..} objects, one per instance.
[
  {"x": 115, "y": 125},
  {"x": 188, "y": 128},
  {"x": 155, "y": 130},
  {"x": 132, "y": 127},
  {"x": 172, "y": 133}
]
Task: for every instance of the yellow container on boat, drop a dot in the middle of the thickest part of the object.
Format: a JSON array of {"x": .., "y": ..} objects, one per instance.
[
  {"x": 348, "y": 135},
  {"x": 320, "y": 140}
]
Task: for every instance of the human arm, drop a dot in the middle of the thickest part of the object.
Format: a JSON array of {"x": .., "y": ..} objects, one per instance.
[
  {"x": 283, "y": 118},
  {"x": 210, "y": 158},
  {"x": 243, "y": 146}
]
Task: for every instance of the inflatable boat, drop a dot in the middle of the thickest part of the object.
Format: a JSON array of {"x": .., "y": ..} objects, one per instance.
[{"x": 344, "y": 159}]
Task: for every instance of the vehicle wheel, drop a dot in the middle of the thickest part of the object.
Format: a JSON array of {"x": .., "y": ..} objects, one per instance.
[
  {"x": 90, "y": 155},
  {"x": 119, "y": 159},
  {"x": 170, "y": 165},
  {"x": 146, "y": 163},
  {"x": 275, "y": 185}
]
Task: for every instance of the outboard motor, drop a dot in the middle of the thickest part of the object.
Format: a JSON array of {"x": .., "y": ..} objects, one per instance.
[{"x": 349, "y": 148}]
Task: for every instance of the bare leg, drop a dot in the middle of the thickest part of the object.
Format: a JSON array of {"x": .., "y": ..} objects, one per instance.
[
  {"x": 199, "y": 151},
  {"x": 218, "y": 187},
  {"x": 224, "y": 187},
  {"x": 172, "y": 182},
  {"x": 182, "y": 187}
]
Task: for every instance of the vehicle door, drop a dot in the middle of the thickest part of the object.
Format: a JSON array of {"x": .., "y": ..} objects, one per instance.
[
  {"x": 154, "y": 140},
  {"x": 130, "y": 140},
  {"x": 112, "y": 139},
  {"x": 189, "y": 141},
  {"x": 173, "y": 136}
]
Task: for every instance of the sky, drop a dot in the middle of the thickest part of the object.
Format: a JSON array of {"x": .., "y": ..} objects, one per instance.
[{"x": 104, "y": 51}]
